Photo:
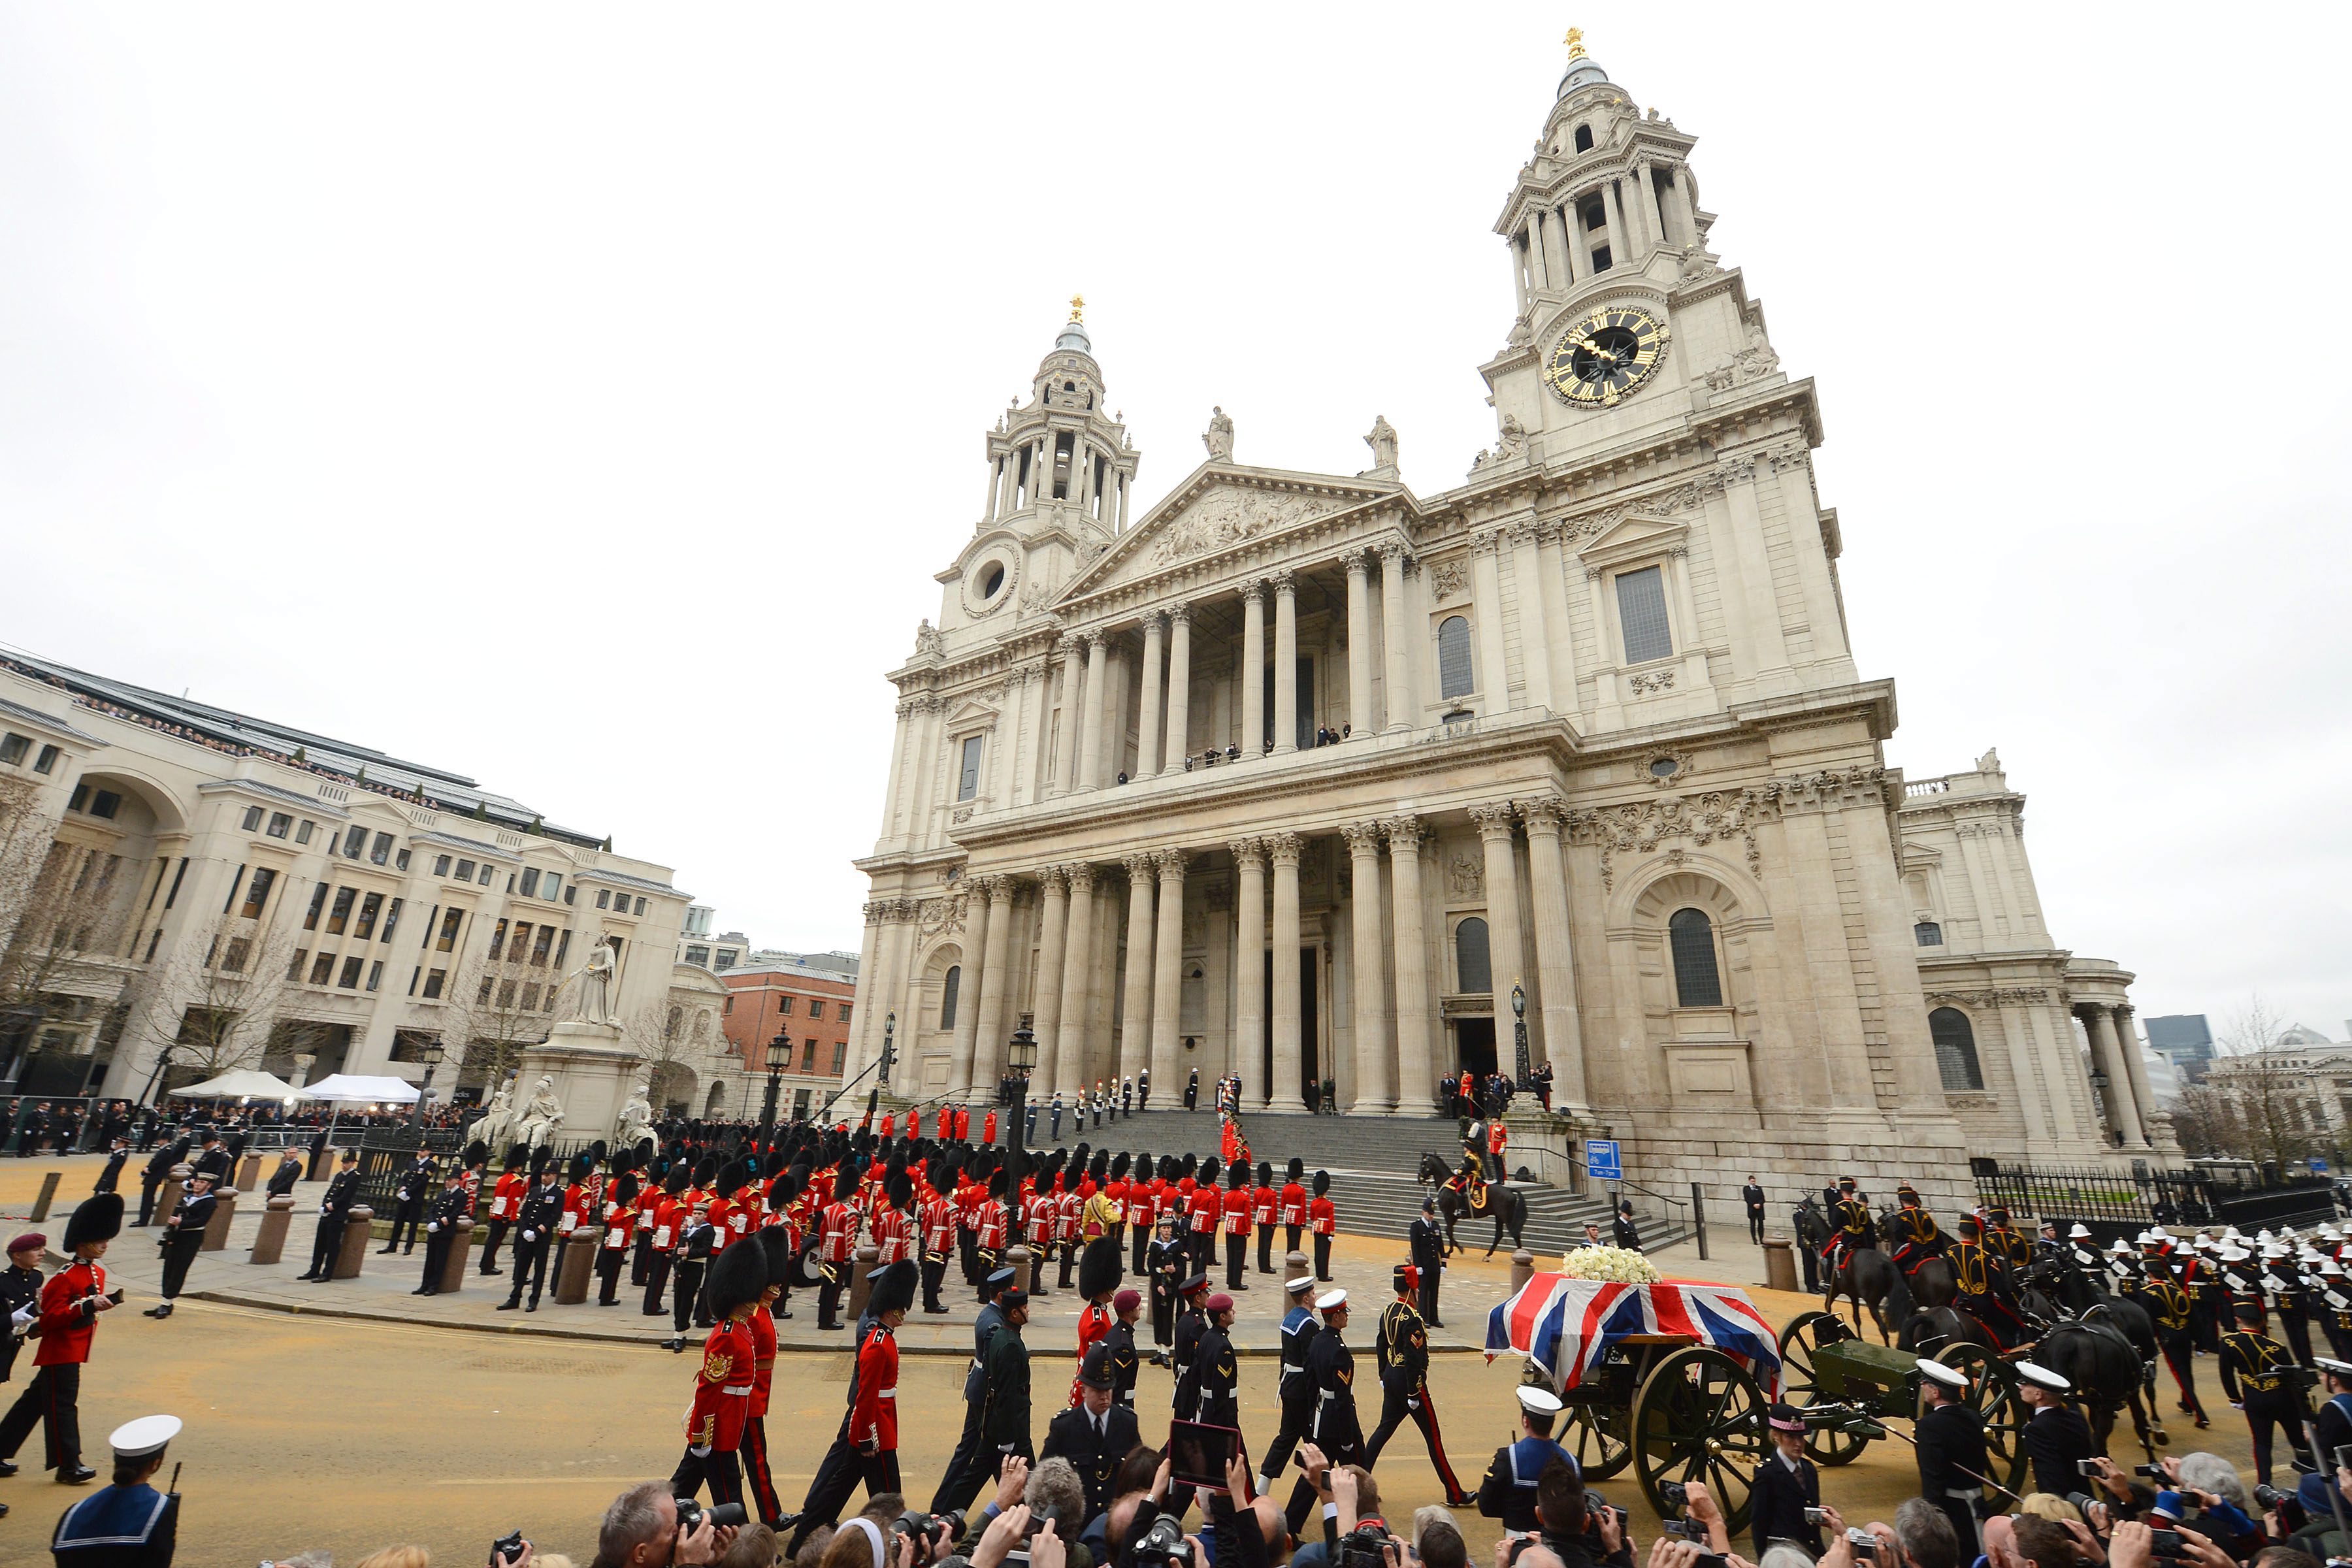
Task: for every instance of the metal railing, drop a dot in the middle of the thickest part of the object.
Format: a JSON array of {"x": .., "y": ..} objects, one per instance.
[{"x": 2141, "y": 1196}]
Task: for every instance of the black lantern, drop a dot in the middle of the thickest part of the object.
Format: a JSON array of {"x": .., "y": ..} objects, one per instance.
[{"x": 1519, "y": 1034}]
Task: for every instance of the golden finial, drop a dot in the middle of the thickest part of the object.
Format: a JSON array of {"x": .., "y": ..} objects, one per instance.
[
  {"x": 1078, "y": 307},
  {"x": 1575, "y": 42}
]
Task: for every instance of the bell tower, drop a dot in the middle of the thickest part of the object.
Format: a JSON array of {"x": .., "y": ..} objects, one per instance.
[{"x": 1061, "y": 459}]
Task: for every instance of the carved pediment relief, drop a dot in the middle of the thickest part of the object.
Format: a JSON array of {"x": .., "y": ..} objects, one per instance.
[
  {"x": 1218, "y": 512},
  {"x": 1632, "y": 535}
]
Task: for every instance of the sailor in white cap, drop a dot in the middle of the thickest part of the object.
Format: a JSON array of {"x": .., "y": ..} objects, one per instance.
[
  {"x": 1508, "y": 1492},
  {"x": 1296, "y": 1389},
  {"x": 1950, "y": 1439},
  {"x": 2056, "y": 1435},
  {"x": 129, "y": 1522}
]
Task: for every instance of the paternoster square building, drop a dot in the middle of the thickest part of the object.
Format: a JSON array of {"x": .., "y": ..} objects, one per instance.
[{"x": 1303, "y": 776}]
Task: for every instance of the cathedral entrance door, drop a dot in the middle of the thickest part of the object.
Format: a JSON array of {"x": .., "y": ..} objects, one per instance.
[
  {"x": 1474, "y": 1046},
  {"x": 1310, "y": 1025}
]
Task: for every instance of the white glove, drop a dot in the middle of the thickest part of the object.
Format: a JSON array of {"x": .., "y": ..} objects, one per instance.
[
  {"x": 21, "y": 1320},
  {"x": 701, "y": 1453},
  {"x": 530, "y": 1236},
  {"x": 431, "y": 1226},
  {"x": 1412, "y": 1405}
]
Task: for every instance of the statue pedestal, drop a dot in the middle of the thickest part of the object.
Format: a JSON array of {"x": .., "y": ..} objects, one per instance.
[{"x": 592, "y": 1069}]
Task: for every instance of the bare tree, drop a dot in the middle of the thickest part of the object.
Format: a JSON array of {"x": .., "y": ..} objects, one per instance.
[
  {"x": 668, "y": 1036},
  {"x": 215, "y": 1006},
  {"x": 62, "y": 913},
  {"x": 2256, "y": 1103},
  {"x": 501, "y": 1003}
]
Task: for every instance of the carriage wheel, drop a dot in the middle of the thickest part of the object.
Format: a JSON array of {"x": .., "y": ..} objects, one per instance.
[
  {"x": 1800, "y": 1386},
  {"x": 1596, "y": 1435},
  {"x": 1992, "y": 1395},
  {"x": 1698, "y": 1416}
]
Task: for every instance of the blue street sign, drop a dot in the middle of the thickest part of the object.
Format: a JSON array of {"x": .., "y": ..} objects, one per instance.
[
  {"x": 2319, "y": 1164},
  {"x": 1601, "y": 1161}
]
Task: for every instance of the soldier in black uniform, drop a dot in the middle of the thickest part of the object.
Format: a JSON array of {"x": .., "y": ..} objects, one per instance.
[
  {"x": 414, "y": 1190},
  {"x": 2057, "y": 1438},
  {"x": 215, "y": 1157},
  {"x": 20, "y": 1287},
  {"x": 1294, "y": 1389},
  {"x": 696, "y": 1239},
  {"x": 1426, "y": 1238},
  {"x": 152, "y": 1175},
  {"x": 969, "y": 1466},
  {"x": 2283, "y": 1288},
  {"x": 2167, "y": 1305},
  {"x": 1949, "y": 1438},
  {"x": 1331, "y": 1371},
  {"x": 543, "y": 1211},
  {"x": 115, "y": 1158},
  {"x": 1400, "y": 1350},
  {"x": 1169, "y": 1264},
  {"x": 1095, "y": 1434},
  {"x": 1209, "y": 1391},
  {"x": 185, "y": 1237},
  {"x": 441, "y": 1230},
  {"x": 334, "y": 1208},
  {"x": 1189, "y": 1324},
  {"x": 1786, "y": 1485},
  {"x": 2256, "y": 1377},
  {"x": 1120, "y": 1343}
]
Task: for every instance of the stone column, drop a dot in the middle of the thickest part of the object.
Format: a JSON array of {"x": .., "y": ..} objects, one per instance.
[
  {"x": 1095, "y": 713},
  {"x": 1637, "y": 198},
  {"x": 1494, "y": 672},
  {"x": 1686, "y": 222},
  {"x": 1077, "y": 982},
  {"x": 1283, "y": 1091},
  {"x": 1180, "y": 689},
  {"x": 1249, "y": 964},
  {"x": 1535, "y": 640},
  {"x": 1065, "y": 744},
  {"x": 975, "y": 981},
  {"x": 893, "y": 816},
  {"x": 1542, "y": 269},
  {"x": 1402, "y": 707},
  {"x": 1360, "y": 648},
  {"x": 1561, "y": 1043},
  {"x": 2123, "y": 1107},
  {"x": 1134, "y": 1022},
  {"x": 1621, "y": 247},
  {"x": 930, "y": 715},
  {"x": 1168, "y": 970},
  {"x": 1375, "y": 1059},
  {"x": 1146, "y": 717},
  {"x": 2135, "y": 1068},
  {"x": 997, "y": 981},
  {"x": 1416, "y": 1058},
  {"x": 1769, "y": 646},
  {"x": 1253, "y": 671},
  {"x": 1286, "y": 664},
  {"x": 1524, "y": 247},
  {"x": 1046, "y": 1006},
  {"x": 1577, "y": 260},
  {"x": 1505, "y": 956}
]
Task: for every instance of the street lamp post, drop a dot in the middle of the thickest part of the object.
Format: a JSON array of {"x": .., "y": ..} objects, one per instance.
[
  {"x": 882, "y": 1068},
  {"x": 1520, "y": 1033},
  {"x": 1021, "y": 1054},
  {"x": 433, "y": 1054},
  {"x": 780, "y": 1056}
]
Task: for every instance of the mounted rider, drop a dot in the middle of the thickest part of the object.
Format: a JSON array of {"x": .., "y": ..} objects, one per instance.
[
  {"x": 1916, "y": 1237},
  {"x": 1470, "y": 1181},
  {"x": 1850, "y": 1226},
  {"x": 1983, "y": 1279},
  {"x": 2002, "y": 1237}
]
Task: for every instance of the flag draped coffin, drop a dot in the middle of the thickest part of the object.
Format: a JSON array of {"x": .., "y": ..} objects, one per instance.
[{"x": 1567, "y": 1326}]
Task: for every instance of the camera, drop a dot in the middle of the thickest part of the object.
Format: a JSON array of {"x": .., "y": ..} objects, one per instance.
[
  {"x": 1812, "y": 1516},
  {"x": 2088, "y": 1466},
  {"x": 1596, "y": 1509},
  {"x": 507, "y": 1548},
  {"x": 691, "y": 1514},
  {"x": 1863, "y": 1544},
  {"x": 1683, "y": 1529},
  {"x": 2344, "y": 1456},
  {"x": 923, "y": 1528},
  {"x": 2154, "y": 1472},
  {"x": 1165, "y": 1542},
  {"x": 2167, "y": 1543},
  {"x": 1360, "y": 1547},
  {"x": 1674, "y": 1495}
]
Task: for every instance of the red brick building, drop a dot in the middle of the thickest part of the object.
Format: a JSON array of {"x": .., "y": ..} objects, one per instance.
[{"x": 807, "y": 999}]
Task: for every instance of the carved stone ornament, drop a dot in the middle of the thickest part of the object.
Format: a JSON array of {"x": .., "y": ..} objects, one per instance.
[
  {"x": 941, "y": 917},
  {"x": 1465, "y": 876},
  {"x": 1676, "y": 767},
  {"x": 1999, "y": 997},
  {"x": 1754, "y": 362},
  {"x": 1651, "y": 682},
  {"x": 927, "y": 642},
  {"x": 1639, "y": 827},
  {"x": 1448, "y": 580},
  {"x": 1229, "y": 516}
]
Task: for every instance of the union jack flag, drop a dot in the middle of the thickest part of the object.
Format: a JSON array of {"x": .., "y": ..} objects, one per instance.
[{"x": 1567, "y": 1326}]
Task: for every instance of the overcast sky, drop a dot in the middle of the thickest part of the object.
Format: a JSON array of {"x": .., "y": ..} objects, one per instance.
[{"x": 581, "y": 397}]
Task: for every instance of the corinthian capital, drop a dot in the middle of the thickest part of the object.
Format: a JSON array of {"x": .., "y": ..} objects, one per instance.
[
  {"x": 1283, "y": 849},
  {"x": 1544, "y": 814},
  {"x": 1494, "y": 818},
  {"x": 1405, "y": 832},
  {"x": 1248, "y": 851},
  {"x": 1081, "y": 874},
  {"x": 1139, "y": 866},
  {"x": 1363, "y": 839},
  {"x": 1171, "y": 864}
]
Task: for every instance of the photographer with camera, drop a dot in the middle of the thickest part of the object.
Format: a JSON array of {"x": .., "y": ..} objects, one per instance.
[
  {"x": 646, "y": 1528},
  {"x": 1579, "y": 1529},
  {"x": 1029, "y": 1501}
]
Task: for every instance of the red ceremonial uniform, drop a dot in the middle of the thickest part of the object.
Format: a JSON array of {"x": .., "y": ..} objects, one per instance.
[
  {"x": 473, "y": 1185},
  {"x": 1237, "y": 1212},
  {"x": 1204, "y": 1209},
  {"x": 1495, "y": 1137},
  {"x": 1262, "y": 1206},
  {"x": 578, "y": 1204},
  {"x": 893, "y": 1234},
  {"x": 1322, "y": 1218},
  {"x": 839, "y": 1236},
  {"x": 506, "y": 1198},
  {"x": 874, "y": 1419},
  {"x": 1093, "y": 1324},
  {"x": 992, "y": 1222},
  {"x": 722, "y": 1389},
  {"x": 1142, "y": 1203},
  {"x": 1294, "y": 1203},
  {"x": 1037, "y": 1220},
  {"x": 67, "y": 1327},
  {"x": 915, "y": 1122},
  {"x": 720, "y": 1215},
  {"x": 889, "y": 1124},
  {"x": 988, "y": 1129},
  {"x": 620, "y": 1226},
  {"x": 1067, "y": 1208},
  {"x": 668, "y": 1214},
  {"x": 764, "y": 1358},
  {"x": 938, "y": 1226}
]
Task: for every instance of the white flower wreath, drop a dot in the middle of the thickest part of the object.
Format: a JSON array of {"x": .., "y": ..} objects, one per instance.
[{"x": 1616, "y": 1265}]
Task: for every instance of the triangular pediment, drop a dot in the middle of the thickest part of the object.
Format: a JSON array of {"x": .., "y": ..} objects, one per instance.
[
  {"x": 1632, "y": 535},
  {"x": 1218, "y": 509},
  {"x": 972, "y": 711}
]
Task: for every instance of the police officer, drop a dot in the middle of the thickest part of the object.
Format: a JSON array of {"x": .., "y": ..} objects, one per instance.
[
  {"x": 414, "y": 1190},
  {"x": 1949, "y": 1438},
  {"x": 1509, "y": 1490},
  {"x": 2257, "y": 1379},
  {"x": 183, "y": 1236},
  {"x": 1095, "y": 1434},
  {"x": 1294, "y": 1389},
  {"x": 335, "y": 1210},
  {"x": 441, "y": 1230},
  {"x": 1426, "y": 1238},
  {"x": 1400, "y": 1350}
]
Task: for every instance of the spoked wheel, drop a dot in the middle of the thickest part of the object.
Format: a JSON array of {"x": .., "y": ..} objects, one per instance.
[
  {"x": 1700, "y": 1417},
  {"x": 1800, "y": 1386},
  {"x": 1992, "y": 1395},
  {"x": 1596, "y": 1435}
]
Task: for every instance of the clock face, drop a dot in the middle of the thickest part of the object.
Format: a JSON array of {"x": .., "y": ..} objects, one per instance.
[{"x": 1606, "y": 355}]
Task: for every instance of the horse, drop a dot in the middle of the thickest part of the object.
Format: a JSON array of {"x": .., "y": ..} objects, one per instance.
[
  {"x": 1868, "y": 1276},
  {"x": 1931, "y": 1329},
  {"x": 1932, "y": 1281},
  {"x": 2108, "y": 1374},
  {"x": 1507, "y": 1206}
]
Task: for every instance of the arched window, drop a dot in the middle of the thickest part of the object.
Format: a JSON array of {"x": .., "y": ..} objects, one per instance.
[
  {"x": 1928, "y": 934},
  {"x": 1454, "y": 674},
  {"x": 1955, "y": 1049},
  {"x": 1584, "y": 138},
  {"x": 1691, "y": 936},
  {"x": 1471, "y": 970},
  {"x": 947, "y": 989}
]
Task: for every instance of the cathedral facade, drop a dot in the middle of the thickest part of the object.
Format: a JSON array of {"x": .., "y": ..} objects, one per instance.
[{"x": 1310, "y": 778}]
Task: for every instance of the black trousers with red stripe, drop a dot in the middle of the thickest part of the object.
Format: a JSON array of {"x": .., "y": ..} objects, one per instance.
[
  {"x": 2180, "y": 1353},
  {"x": 52, "y": 1400},
  {"x": 1395, "y": 1399},
  {"x": 837, "y": 1480},
  {"x": 718, "y": 1470},
  {"x": 760, "y": 1486}
]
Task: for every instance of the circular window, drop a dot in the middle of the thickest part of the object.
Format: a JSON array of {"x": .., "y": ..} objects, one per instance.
[
  {"x": 1664, "y": 768},
  {"x": 991, "y": 581}
]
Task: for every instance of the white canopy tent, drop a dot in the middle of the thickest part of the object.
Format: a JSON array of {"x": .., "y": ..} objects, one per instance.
[
  {"x": 356, "y": 1088},
  {"x": 244, "y": 1083}
]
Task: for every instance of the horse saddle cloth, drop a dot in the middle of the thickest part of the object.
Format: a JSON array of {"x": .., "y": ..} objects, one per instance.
[{"x": 1479, "y": 1196}]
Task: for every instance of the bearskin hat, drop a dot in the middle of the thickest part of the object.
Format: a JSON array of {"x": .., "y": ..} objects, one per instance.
[
  {"x": 1100, "y": 1169},
  {"x": 583, "y": 1164},
  {"x": 1211, "y": 1169},
  {"x": 1119, "y": 1165},
  {"x": 776, "y": 1249},
  {"x": 1190, "y": 1165},
  {"x": 1237, "y": 1175},
  {"x": 1297, "y": 1168},
  {"x": 894, "y": 1287},
  {"x": 624, "y": 1191},
  {"x": 1099, "y": 1268},
  {"x": 706, "y": 1171},
  {"x": 1078, "y": 1155},
  {"x": 1322, "y": 1183},
  {"x": 675, "y": 1182},
  {"x": 1169, "y": 1168},
  {"x": 518, "y": 1156},
  {"x": 99, "y": 1218},
  {"x": 596, "y": 1151},
  {"x": 785, "y": 1188},
  {"x": 998, "y": 1182},
  {"x": 774, "y": 1165},
  {"x": 732, "y": 1179},
  {"x": 478, "y": 1153},
  {"x": 900, "y": 1188},
  {"x": 737, "y": 1275},
  {"x": 1266, "y": 1172},
  {"x": 540, "y": 1158}
]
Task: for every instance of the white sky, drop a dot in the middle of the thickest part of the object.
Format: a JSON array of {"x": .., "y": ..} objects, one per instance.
[{"x": 581, "y": 397}]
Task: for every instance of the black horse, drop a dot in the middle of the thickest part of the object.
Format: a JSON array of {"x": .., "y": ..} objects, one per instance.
[
  {"x": 2099, "y": 1360},
  {"x": 1932, "y": 1281},
  {"x": 1931, "y": 1329},
  {"x": 1507, "y": 1206}
]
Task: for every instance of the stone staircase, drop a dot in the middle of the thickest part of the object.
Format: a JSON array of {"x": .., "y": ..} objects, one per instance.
[{"x": 1372, "y": 1162}]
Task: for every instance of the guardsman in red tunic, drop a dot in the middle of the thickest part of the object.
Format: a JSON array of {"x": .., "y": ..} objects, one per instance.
[
  {"x": 723, "y": 1383},
  {"x": 1098, "y": 1274},
  {"x": 837, "y": 1245},
  {"x": 1324, "y": 1219},
  {"x": 866, "y": 1448},
  {"x": 651, "y": 1195},
  {"x": 1261, "y": 1207},
  {"x": 477, "y": 1159},
  {"x": 1037, "y": 1235},
  {"x": 938, "y": 1226},
  {"x": 661, "y": 1240},
  {"x": 1142, "y": 1208},
  {"x": 506, "y": 1206},
  {"x": 619, "y": 1226},
  {"x": 1205, "y": 1208},
  {"x": 1237, "y": 1207},
  {"x": 760, "y": 1485},
  {"x": 70, "y": 1303},
  {"x": 995, "y": 1229},
  {"x": 1292, "y": 1203},
  {"x": 1069, "y": 1204},
  {"x": 893, "y": 1232},
  {"x": 579, "y": 1209}
]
